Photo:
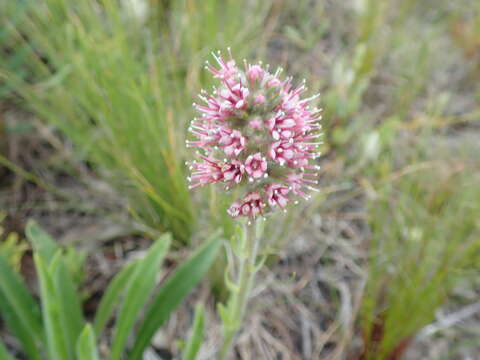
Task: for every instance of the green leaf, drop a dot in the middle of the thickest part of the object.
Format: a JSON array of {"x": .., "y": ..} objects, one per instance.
[
  {"x": 42, "y": 243},
  {"x": 196, "y": 339},
  {"x": 19, "y": 310},
  {"x": 4, "y": 355},
  {"x": 56, "y": 341},
  {"x": 71, "y": 316},
  {"x": 86, "y": 345},
  {"x": 112, "y": 296},
  {"x": 67, "y": 300},
  {"x": 172, "y": 293},
  {"x": 141, "y": 285}
]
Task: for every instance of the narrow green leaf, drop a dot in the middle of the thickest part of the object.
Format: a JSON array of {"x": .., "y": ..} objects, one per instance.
[
  {"x": 172, "y": 293},
  {"x": 141, "y": 285},
  {"x": 86, "y": 345},
  {"x": 42, "y": 243},
  {"x": 19, "y": 310},
  {"x": 69, "y": 308},
  {"x": 4, "y": 355},
  {"x": 56, "y": 342},
  {"x": 196, "y": 339},
  {"x": 71, "y": 316},
  {"x": 112, "y": 296}
]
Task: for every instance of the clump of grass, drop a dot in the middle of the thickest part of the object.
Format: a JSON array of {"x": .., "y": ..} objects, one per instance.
[
  {"x": 14, "y": 56},
  {"x": 425, "y": 236},
  {"x": 118, "y": 81}
]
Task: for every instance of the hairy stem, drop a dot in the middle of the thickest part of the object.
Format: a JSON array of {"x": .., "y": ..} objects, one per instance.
[{"x": 238, "y": 299}]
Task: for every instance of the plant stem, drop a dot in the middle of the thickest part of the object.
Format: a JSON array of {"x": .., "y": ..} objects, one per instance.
[{"x": 238, "y": 299}]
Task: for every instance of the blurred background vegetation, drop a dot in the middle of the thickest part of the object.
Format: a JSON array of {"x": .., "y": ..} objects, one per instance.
[{"x": 95, "y": 97}]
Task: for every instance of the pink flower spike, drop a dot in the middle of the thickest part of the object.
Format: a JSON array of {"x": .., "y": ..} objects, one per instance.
[
  {"x": 256, "y": 165},
  {"x": 261, "y": 136}
]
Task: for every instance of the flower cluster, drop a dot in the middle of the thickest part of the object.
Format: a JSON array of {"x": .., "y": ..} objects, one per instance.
[{"x": 257, "y": 133}]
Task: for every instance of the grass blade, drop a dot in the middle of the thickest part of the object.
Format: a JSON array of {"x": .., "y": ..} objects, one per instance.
[
  {"x": 196, "y": 338},
  {"x": 141, "y": 284},
  {"x": 86, "y": 345},
  {"x": 56, "y": 342},
  {"x": 172, "y": 293},
  {"x": 19, "y": 310}
]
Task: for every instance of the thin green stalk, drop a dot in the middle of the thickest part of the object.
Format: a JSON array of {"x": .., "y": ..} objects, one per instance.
[
  {"x": 239, "y": 297},
  {"x": 32, "y": 177}
]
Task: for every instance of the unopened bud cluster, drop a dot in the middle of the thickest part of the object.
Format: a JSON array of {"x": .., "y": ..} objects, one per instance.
[{"x": 255, "y": 132}]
